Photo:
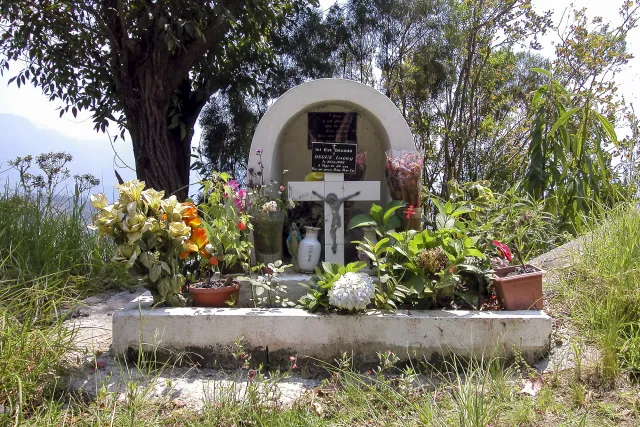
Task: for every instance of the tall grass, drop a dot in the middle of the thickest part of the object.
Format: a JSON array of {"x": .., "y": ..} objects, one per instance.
[
  {"x": 48, "y": 260},
  {"x": 603, "y": 293},
  {"x": 33, "y": 342},
  {"x": 38, "y": 238}
]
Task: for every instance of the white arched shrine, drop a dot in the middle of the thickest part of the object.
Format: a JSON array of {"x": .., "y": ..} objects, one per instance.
[{"x": 282, "y": 131}]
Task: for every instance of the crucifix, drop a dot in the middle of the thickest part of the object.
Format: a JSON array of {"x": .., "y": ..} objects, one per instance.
[{"x": 334, "y": 191}]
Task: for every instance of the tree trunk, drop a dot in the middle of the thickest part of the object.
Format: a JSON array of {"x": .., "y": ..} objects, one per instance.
[{"x": 162, "y": 156}]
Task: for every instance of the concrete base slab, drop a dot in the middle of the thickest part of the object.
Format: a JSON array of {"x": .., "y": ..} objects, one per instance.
[{"x": 271, "y": 336}]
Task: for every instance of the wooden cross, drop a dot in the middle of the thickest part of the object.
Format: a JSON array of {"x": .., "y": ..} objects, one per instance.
[{"x": 334, "y": 225}]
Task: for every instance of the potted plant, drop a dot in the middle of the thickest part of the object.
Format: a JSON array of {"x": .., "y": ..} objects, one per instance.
[
  {"x": 267, "y": 205},
  {"x": 219, "y": 241},
  {"x": 150, "y": 233},
  {"x": 519, "y": 287}
]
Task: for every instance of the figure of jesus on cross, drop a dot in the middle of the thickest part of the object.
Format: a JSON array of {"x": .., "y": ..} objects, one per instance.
[
  {"x": 336, "y": 222},
  {"x": 334, "y": 191}
]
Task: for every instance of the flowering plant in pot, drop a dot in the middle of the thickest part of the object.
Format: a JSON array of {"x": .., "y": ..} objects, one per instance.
[
  {"x": 150, "y": 233},
  {"x": 267, "y": 204},
  {"x": 519, "y": 287},
  {"x": 219, "y": 241}
]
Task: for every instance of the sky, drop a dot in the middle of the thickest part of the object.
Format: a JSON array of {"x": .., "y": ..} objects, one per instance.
[{"x": 95, "y": 154}]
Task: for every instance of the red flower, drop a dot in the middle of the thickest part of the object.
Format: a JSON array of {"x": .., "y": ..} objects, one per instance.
[
  {"x": 252, "y": 373},
  {"x": 409, "y": 211},
  {"x": 242, "y": 226},
  {"x": 213, "y": 260},
  {"x": 503, "y": 249}
]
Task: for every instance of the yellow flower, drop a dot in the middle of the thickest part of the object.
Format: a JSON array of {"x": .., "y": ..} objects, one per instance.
[
  {"x": 130, "y": 191},
  {"x": 153, "y": 198},
  {"x": 172, "y": 208},
  {"x": 106, "y": 219},
  {"x": 127, "y": 254},
  {"x": 99, "y": 201},
  {"x": 178, "y": 230}
]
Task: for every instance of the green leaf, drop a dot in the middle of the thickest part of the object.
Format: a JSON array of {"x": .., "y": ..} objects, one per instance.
[
  {"x": 563, "y": 119},
  {"x": 361, "y": 220},
  {"x": 393, "y": 206},
  {"x": 155, "y": 272},
  {"x": 380, "y": 244},
  {"x": 608, "y": 127},
  {"x": 541, "y": 71},
  {"x": 376, "y": 213},
  {"x": 393, "y": 223}
]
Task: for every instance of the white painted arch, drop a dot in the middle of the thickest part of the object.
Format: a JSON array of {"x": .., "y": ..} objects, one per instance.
[{"x": 392, "y": 128}]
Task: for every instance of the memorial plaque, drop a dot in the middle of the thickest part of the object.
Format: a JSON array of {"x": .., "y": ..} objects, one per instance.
[
  {"x": 333, "y": 157},
  {"x": 332, "y": 127}
]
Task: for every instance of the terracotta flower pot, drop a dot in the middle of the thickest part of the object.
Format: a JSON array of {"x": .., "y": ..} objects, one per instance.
[
  {"x": 215, "y": 297},
  {"x": 519, "y": 292}
]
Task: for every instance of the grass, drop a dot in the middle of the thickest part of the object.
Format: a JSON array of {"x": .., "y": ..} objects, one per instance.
[{"x": 602, "y": 295}]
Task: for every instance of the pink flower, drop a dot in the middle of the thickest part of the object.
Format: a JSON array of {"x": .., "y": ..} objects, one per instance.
[
  {"x": 259, "y": 151},
  {"x": 503, "y": 249},
  {"x": 234, "y": 184},
  {"x": 282, "y": 188}
]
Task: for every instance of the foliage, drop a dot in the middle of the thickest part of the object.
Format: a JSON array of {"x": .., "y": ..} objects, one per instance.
[
  {"x": 42, "y": 236},
  {"x": 226, "y": 222},
  {"x": 513, "y": 217},
  {"x": 33, "y": 340},
  {"x": 569, "y": 167},
  {"x": 148, "y": 67},
  {"x": 384, "y": 220}
]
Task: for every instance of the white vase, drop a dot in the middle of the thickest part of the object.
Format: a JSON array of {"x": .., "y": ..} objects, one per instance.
[{"x": 309, "y": 250}]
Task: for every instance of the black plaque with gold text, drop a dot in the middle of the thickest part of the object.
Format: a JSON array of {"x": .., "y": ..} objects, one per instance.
[{"x": 332, "y": 127}]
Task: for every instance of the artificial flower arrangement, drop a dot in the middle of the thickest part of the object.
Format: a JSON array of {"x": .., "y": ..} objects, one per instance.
[
  {"x": 151, "y": 233},
  {"x": 404, "y": 175},
  {"x": 157, "y": 238}
]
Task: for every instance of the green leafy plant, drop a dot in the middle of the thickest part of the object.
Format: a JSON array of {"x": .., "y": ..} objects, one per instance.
[
  {"x": 226, "y": 223},
  {"x": 389, "y": 292},
  {"x": 384, "y": 220}
]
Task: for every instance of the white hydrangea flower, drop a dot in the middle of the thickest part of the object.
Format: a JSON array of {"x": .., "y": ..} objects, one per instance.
[{"x": 352, "y": 291}]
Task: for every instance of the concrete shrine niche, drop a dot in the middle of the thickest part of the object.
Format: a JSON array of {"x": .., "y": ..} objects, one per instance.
[{"x": 283, "y": 135}]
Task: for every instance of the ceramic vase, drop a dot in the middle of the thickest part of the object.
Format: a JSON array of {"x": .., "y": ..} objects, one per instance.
[
  {"x": 267, "y": 236},
  {"x": 309, "y": 250}
]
